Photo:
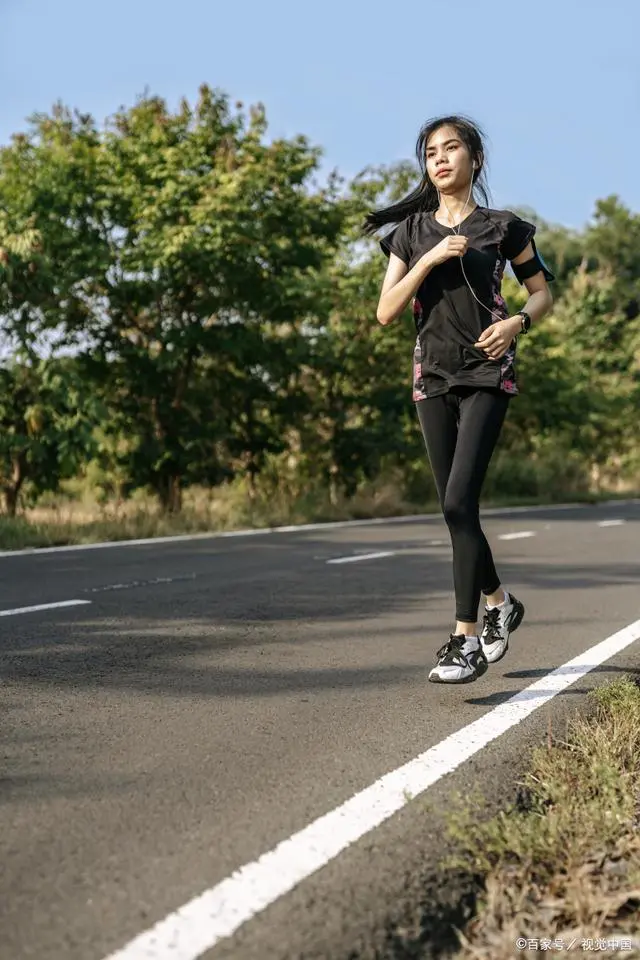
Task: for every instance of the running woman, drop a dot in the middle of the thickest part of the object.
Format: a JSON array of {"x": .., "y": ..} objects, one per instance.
[{"x": 447, "y": 254}]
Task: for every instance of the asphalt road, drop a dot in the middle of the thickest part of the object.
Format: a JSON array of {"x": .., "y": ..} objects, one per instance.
[{"x": 214, "y": 696}]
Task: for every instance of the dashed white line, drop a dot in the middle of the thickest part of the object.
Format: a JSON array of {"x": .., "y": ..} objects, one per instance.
[
  {"x": 611, "y": 523},
  {"x": 139, "y": 583},
  {"x": 43, "y": 606},
  {"x": 520, "y": 535},
  {"x": 364, "y": 556},
  {"x": 202, "y": 922}
]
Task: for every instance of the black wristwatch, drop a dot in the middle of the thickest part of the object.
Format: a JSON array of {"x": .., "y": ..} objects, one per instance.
[{"x": 526, "y": 320}]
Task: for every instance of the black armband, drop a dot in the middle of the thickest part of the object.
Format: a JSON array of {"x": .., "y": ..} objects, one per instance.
[
  {"x": 523, "y": 271},
  {"x": 527, "y": 269}
]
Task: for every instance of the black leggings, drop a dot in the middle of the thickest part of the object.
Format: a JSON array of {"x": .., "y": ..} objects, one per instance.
[{"x": 460, "y": 431}]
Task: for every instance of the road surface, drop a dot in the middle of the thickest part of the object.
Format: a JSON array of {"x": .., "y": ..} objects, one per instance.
[{"x": 206, "y": 700}]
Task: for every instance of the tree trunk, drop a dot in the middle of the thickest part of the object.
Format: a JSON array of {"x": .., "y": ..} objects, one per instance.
[
  {"x": 252, "y": 473},
  {"x": 170, "y": 494},
  {"x": 169, "y": 486},
  {"x": 10, "y": 500},
  {"x": 11, "y": 490},
  {"x": 252, "y": 466}
]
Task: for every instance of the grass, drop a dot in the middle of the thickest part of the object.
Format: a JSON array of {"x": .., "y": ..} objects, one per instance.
[
  {"x": 74, "y": 516},
  {"x": 562, "y": 864}
]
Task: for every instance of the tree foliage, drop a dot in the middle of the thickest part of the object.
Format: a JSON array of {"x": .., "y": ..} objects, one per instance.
[{"x": 183, "y": 301}]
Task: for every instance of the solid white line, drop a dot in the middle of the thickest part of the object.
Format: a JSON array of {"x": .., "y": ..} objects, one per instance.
[
  {"x": 202, "y": 922},
  {"x": 302, "y": 527},
  {"x": 43, "y": 606},
  {"x": 517, "y": 536},
  {"x": 364, "y": 556},
  {"x": 611, "y": 523}
]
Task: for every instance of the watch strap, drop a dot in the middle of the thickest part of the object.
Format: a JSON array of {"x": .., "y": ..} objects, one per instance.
[{"x": 525, "y": 321}]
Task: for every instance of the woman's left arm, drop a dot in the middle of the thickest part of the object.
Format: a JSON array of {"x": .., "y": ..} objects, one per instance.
[{"x": 498, "y": 337}]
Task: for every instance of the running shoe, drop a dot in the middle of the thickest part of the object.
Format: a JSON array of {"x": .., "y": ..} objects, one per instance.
[
  {"x": 460, "y": 660},
  {"x": 497, "y": 626}
]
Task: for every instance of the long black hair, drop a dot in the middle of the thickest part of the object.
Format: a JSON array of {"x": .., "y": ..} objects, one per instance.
[{"x": 425, "y": 195}]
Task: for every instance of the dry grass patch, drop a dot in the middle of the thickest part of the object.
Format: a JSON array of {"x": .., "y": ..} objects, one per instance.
[
  {"x": 75, "y": 515},
  {"x": 563, "y": 864}
]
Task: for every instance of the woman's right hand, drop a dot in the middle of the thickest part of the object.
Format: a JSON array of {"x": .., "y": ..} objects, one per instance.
[
  {"x": 401, "y": 283},
  {"x": 453, "y": 246}
]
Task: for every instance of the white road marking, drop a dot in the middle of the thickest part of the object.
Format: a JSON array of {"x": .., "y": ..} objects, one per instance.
[
  {"x": 139, "y": 583},
  {"x": 217, "y": 913},
  {"x": 521, "y": 535},
  {"x": 301, "y": 528},
  {"x": 611, "y": 523},
  {"x": 364, "y": 556},
  {"x": 42, "y": 606}
]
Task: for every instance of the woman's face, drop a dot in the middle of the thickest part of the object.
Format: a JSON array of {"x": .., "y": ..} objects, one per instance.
[{"x": 448, "y": 161}]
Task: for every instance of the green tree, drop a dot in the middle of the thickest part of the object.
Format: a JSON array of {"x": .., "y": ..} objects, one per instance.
[
  {"x": 613, "y": 245},
  {"x": 357, "y": 415},
  {"x": 602, "y": 344},
  {"x": 221, "y": 307},
  {"x": 46, "y": 426},
  {"x": 183, "y": 241},
  {"x": 53, "y": 238}
]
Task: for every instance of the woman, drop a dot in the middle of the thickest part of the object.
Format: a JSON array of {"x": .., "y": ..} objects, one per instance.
[{"x": 448, "y": 254}]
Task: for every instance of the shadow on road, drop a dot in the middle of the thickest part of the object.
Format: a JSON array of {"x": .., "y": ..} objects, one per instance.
[{"x": 250, "y": 602}]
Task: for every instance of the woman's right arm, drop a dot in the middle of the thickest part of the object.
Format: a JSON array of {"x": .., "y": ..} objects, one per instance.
[{"x": 401, "y": 284}]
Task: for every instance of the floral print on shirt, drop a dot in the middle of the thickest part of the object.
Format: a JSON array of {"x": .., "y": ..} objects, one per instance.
[
  {"x": 507, "y": 362},
  {"x": 419, "y": 392}
]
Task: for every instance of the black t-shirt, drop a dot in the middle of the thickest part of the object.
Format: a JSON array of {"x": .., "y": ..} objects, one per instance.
[{"x": 448, "y": 319}]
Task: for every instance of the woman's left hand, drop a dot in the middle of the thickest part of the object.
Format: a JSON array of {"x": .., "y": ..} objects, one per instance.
[{"x": 496, "y": 339}]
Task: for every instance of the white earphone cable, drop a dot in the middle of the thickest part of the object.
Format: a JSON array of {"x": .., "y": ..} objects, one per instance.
[{"x": 457, "y": 233}]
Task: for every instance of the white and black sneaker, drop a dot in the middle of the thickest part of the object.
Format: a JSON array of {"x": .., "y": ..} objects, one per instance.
[
  {"x": 460, "y": 660},
  {"x": 498, "y": 625}
]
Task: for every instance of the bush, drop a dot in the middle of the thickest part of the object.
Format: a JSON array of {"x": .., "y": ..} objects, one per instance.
[{"x": 551, "y": 474}]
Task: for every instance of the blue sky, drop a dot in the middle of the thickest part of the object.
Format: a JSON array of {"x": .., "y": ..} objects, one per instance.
[{"x": 556, "y": 83}]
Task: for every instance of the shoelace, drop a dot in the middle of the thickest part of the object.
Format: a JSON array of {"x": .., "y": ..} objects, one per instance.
[
  {"x": 491, "y": 626},
  {"x": 453, "y": 644}
]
